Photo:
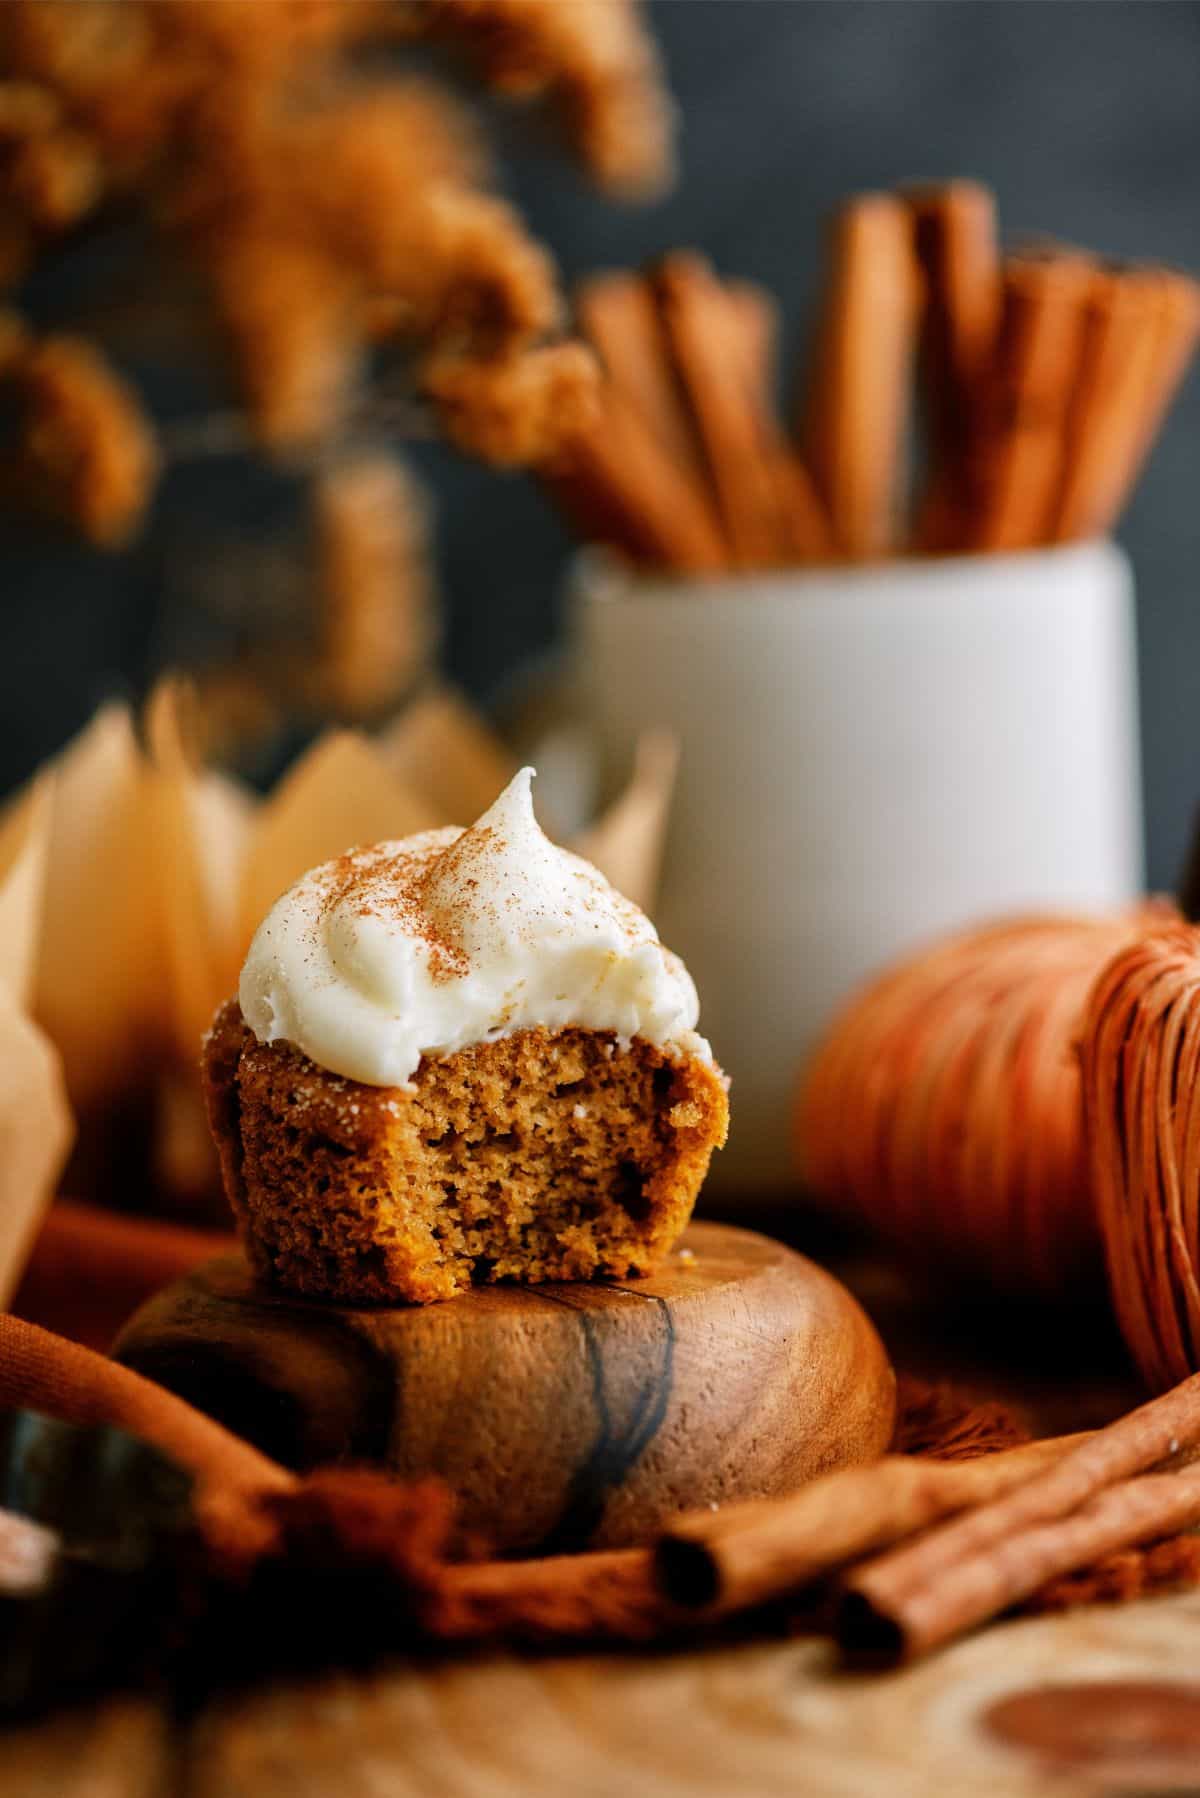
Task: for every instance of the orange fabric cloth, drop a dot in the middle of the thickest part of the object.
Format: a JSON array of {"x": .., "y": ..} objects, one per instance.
[
  {"x": 91, "y": 1268},
  {"x": 40, "y": 1371}
]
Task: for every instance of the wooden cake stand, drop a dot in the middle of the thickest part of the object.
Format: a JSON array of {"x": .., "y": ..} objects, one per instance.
[{"x": 561, "y": 1415}]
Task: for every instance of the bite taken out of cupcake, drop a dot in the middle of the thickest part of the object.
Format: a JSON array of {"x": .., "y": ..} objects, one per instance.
[{"x": 455, "y": 1059}]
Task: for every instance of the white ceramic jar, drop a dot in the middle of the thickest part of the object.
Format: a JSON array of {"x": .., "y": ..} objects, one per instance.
[{"x": 871, "y": 756}]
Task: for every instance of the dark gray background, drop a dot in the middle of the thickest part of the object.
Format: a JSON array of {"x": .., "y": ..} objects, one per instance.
[{"x": 1084, "y": 115}]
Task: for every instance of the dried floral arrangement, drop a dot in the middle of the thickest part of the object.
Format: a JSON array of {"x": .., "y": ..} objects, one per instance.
[
  {"x": 313, "y": 214},
  {"x": 1043, "y": 376},
  {"x": 317, "y": 204}
]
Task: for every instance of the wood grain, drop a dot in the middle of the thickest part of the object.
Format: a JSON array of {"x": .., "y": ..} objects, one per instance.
[
  {"x": 1003, "y": 1715},
  {"x": 562, "y": 1415},
  {"x": 763, "y": 1721},
  {"x": 122, "y": 1748}
]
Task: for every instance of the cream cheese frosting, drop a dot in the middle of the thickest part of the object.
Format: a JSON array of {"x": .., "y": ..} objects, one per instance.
[{"x": 425, "y": 946}]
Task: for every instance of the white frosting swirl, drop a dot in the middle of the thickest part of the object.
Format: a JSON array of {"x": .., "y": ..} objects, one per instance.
[{"x": 425, "y": 946}]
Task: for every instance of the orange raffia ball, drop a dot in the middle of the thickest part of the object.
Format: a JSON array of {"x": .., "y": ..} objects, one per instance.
[
  {"x": 944, "y": 1104},
  {"x": 1141, "y": 1080}
]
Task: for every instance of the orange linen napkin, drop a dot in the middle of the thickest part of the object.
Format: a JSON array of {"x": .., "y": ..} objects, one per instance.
[
  {"x": 91, "y": 1268},
  {"x": 40, "y": 1371}
]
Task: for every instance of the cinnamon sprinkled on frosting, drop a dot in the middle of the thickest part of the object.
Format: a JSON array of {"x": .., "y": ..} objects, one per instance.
[
  {"x": 386, "y": 882},
  {"x": 425, "y": 946}
]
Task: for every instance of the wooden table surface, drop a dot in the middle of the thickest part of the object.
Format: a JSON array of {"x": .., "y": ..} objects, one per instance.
[{"x": 1105, "y": 1700}]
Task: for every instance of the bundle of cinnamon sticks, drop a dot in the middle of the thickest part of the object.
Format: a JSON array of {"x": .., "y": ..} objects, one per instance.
[
  {"x": 1040, "y": 379},
  {"x": 920, "y": 1551}
]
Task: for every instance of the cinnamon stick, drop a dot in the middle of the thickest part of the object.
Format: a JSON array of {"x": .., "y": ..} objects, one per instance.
[
  {"x": 805, "y": 530},
  {"x": 619, "y": 315},
  {"x": 859, "y": 393},
  {"x": 609, "y": 1595},
  {"x": 625, "y": 491},
  {"x": 710, "y": 360},
  {"x": 1177, "y": 336},
  {"x": 1104, "y": 417},
  {"x": 955, "y": 235},
  {"x": 1141, "y": 331},
  {"x": 722, "y": 344},
  {"x": 802, "y": 529},
  {"x": 756, "y": 316},
  {"x": 1029, "y": 391},
  {"x": 745, "y": 1554},
  {"x": 883, "y": 1626},
  {"x": 1084, "y": 1505}
]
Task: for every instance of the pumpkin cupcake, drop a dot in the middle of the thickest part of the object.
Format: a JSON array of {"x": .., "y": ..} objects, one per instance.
[{"x": 463, "y": 1057}]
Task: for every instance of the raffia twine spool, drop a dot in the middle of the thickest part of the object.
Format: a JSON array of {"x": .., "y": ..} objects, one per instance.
[
  {"x": 944, "y": 1106},
  {"x": 1141, "y": 1082}
]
